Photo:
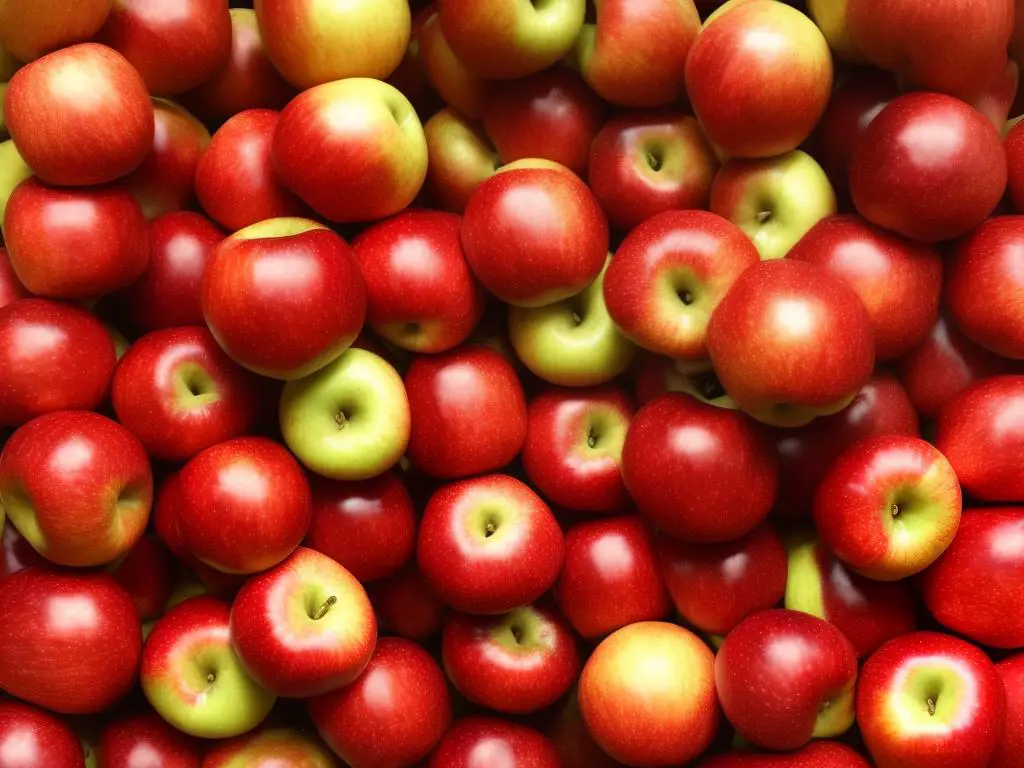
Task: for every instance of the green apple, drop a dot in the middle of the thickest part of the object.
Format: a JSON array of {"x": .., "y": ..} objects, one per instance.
[
  {"x": 830, "y": 16},
  {"x": 461, "y": 157},
  {"x": 348, "y": 421},
  {"x": 13, "y": 171},
  {"x": 573, "y": 342},
  {"x": 775, "y": 201}
]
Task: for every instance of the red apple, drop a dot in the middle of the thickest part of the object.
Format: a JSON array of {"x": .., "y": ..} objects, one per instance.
[
  {"x": 145, "y": 741},
  {"x": 489, "y": 545},
  {"x": 16, "y": 554},
  {"x": 449, "y": 77},
  {"x": 572, "y": 740},
  {"x": 817, "y": 754},
  {"x": 461, "y": 158},
  {"x": 268, "y": 748},
  {"x": 1010, "y": 751},
  {"x": 31, "y": 737},
  {"x": 11, "y": 288},
  {"x": 1014, "y": 146},
  {"x": 69, "y": 642},
  {"x": 488, "y": 741},
  {"x": 29, "y": 31},
  {"x": 53, "y": 357},
  {"x": 147, "y": 573},
  {"x": 406, "y": 605},
  {"x": 655, "y": 375},
  {"x": 410, "y": 77},
  {"x": 94, "y": 89},
  {"x": 996, "y": 103}
]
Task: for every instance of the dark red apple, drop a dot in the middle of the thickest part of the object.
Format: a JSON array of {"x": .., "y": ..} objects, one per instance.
[
  {"x": 11, "y": 288},
  {"x": 146, "y": 741},
  {"x": 488, "y": 741},
  {"x": 817, "y": 754},
  {"x": 31, "y": 738},
  {"x": 16, "y": 554},
  {"x": 1010, "y": 751},
  {"x": 406, "y": 605},
  {"x": 147, "y": 573}
]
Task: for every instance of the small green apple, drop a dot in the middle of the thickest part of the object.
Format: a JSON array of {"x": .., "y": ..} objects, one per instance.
[{"x": 13, "y": 171}]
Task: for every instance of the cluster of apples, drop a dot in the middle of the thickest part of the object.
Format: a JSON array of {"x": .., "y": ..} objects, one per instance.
[{"x": 507, "y": 384}]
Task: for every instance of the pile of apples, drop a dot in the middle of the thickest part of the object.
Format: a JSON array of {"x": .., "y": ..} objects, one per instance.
[{"x": 508, "y": 384}]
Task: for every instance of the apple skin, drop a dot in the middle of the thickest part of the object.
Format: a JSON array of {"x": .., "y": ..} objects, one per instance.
[
  {"x": 1011, "y": 746},
  {"x": 28, "y": 32},
  {"x": 76, "y": 244},
  {"x": 573, "y": 448},
  {"x": 406, "y": 605},
  {"x": 81, "y": 512},
  {"x": 455, "y": 83},
  {"x": 70, "y": 642},
  {"x": 468, "y": 412},
  {"x": 610, "y": 578},
  {"x": 971, "y": 588},
  {"x": 185, "y": 649},
  {"x": 868, "y": 612},
  {"x": 681, "y": 463},
  {"x": 898, "y": 281},
  {"x": 283, "y": 297},
  {"x": 669, "y": 274},
  {"x": 534, "y": 236},
  {"x": 269, "y": 748},
  {"x": 647, "y": 695},
  {"x": 370, "y": 166},
  {"x": 518, "y": 663},
  {"x": 16, "y": 554},
  {"x": 785, "y": 677},
  {"x": 572, "y": 740},
  {"x": 912, "y": 676},
  {"x": 488, "y": 545},
  {"x": 791, "y": 342},
  {"x": 461, "y": 158},
  {"x": 923, "y": 145},
  {"x": 817, "y": 754},
  {"x": 367, "y": 526},
  {"x": 31, "y": 737},
  {"x": 113, "y": 129},
  {"x": 11, "y": 288},
  {"x": 303, "y": 37},
  {"x": 179, "y": 393},
  {"x": 421, "y": 294},
  {"x": 167, "y": 293},
  {"x": 760, "y": 62},
  {"x": 147, "y": 572},
  {"x": 488, "y": 741},
  {"x": 235, "y": 180},
  {"x": 715, "y": 586},
  {"x": 393, "y": 714},
  {"x": 1014, "y": 145},
  {"x": 981, "y": 434},
  {"x": 53, "y": 357},
  {"x": 135, "y": 741}
]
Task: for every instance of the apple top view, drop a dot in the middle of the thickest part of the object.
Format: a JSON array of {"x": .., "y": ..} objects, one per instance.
[{"x": 511, "y": 384}]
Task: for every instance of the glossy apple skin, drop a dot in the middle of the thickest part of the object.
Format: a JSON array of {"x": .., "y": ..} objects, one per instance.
[
  {"x": 971, "y": 589},
  {"x": 146, "y": 741},
  {"x": 924, "y": 146},
  {"x": 113, "y": 131},
  {"x": 235, "y": 179},
  {"x": 647, "y": 695},
  {"x": 479, "y": 741},
  {"x": 30, "y": 32},
  {"x": 817, "y": 754},
  {"x": 468, "y": 412},
  {"x": 393, "y": 714},
  {"x": 573, "y": 448},
  {"x": 518, "y": 663},
  {"x": 969, "y": 703},
  {"x": 53, "y": 357},
  {"x": 11, "y": 288},
  {"x": 421, "y": 294},
  {"x": 715, "y": 586},
  {"x": 70, "y": 642},
  {"x": 368, "y": 526},
  {"x": 981, "y": 432},
  {"x": 72, "y": 243},
  {"x": 78, "y": 486},
  {"x": 1010, "y": 751},
  {"x": 461, "y": 158},
  {"x": 790, "y": 341},
  {"x": 268, "y": 748},
  {"x": 406, "y": 605},
  {"x": 31, "y": 737},
  {"x": 776, "y": 671},
  {"x": 1014, "y": 145},
  {"x": 698, "y": 472},
  {"x": 283, "y": 306},
  {"x": 147, "y": 573},
  {"x": 454, "y": 82},
  {"x": 245, "y": 505},
  {"x": 489, "y": 544},
  {"x": 644, "y": 163},
  {"x": 534, "y": 236},
  {"x": 898, "y": 281}
]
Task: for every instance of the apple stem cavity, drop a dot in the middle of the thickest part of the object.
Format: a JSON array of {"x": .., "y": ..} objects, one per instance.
[
  {"x": 653, "y": 161},
  {"x": 323, "y": 609},
  {"x": 931, "y": 706},
  {"x": 763, "y": 216}
]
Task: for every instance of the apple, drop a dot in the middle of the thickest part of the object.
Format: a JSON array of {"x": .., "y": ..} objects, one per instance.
[
  {"x": 489, "y": 545},
  {"x": 179, "y": 393},
  {"x": 1014, "y": 146},
  {"x": 11, "y": 288},
  {"x": 921, "y": 145},
  {"x": 647, "y": 695},
  {"x": 1011, "y": 745},
  {"x": 13, "y": 171},
  {"x": 715, "y": 586},
  {"x": 831, "y": 17},
  {"x": 482, "y": 741},
  {"x": 193, "y": 678},
  {"x": 421, "y": 294},
  {"x": 573, "y": 743},
  {"x": 31, "y": 737},
  {"x": 610, "y": 578},
  {"x": 669, "y": 274},
  {"x": 461, "y": 158},
  {"x": 534, "y": 236},
  {"x": 368, "y": 166},
  {"x": 656, "y": 375},
  {"x": 28, "y": 32},
  {"x": 142, "y": 740},
  {"x": 457, "y": 85},
  {"x": 283, "y": 297},
  {"x": 16, "y": 554},
  {"x": 113, "y": 128},
  {"x": 77, "y": 485},
  {"x": 147, "y": 573},
  {"x": 393, "y": 714},
  {"x": 817, "y": 754},
  {"x": 350, "y": 420},
  {"x": 270, "y": 747},
  {"x": 996, "y": 103},
  {"x": 53, "y": 357},
  {"x": 406, "y": 605},
  {"x": 468, "y": 412},
  {"x": 70, "y": 641},
  {"x": 775, "y": 201},
  {"x": 785, "y": 677},
  {"x": 698, "y": 472},
  {"x": 303, "y": 38},
  {"x": 927, "y": 694},
  {"x": 76, "y": 244}
]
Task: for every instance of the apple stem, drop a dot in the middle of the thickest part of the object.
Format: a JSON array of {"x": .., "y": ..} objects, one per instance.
[
  {"x": 211, "y": 678},
  {"x": 576, "y": 318},
  {"x": 489, "y": 529},
  {"x": 763, "y": 216},
  {"x": 591, "y": 438},
  {"x": 323, "y": 609},
  {"x": 931, "y": 706},
  {"x": 340, "y": 419},
  {"x": 517, "y": 634},
  {"x": 895, "y": 511}
]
